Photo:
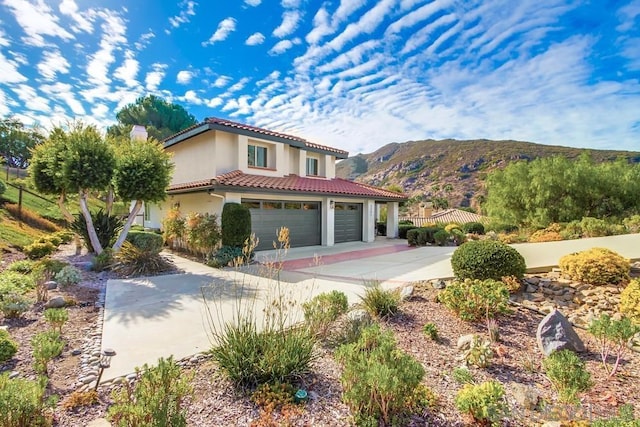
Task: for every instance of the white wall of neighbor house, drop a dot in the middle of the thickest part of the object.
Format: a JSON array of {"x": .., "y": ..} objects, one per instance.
[
  {"x": 194, "y": 159},
  {"x": 227, "y": 152},
  {"x": 200, "y": 202},
  {"x": 328, "y": 222},
  {"x": 328, "y": 166}
]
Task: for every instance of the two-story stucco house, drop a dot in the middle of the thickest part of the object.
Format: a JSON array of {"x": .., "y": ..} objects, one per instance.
[{"x": 284, "y": 180}]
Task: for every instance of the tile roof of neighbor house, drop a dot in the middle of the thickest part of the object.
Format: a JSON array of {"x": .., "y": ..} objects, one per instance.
[
  {"x": 289, "y": 183},
  {"x": 217, "y": 123},
  {"x": 455, "y": 215}
]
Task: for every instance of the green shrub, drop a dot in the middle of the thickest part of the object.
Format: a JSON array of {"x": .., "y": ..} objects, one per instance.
[
  {"x": 431, "y": 331},
  {"x": 107, "y": 228},
  {"x": 24, "y": 266},
  {"x": 404, "y": 229},
  {"x": 473, "y": 228},
  {"x": 458, "y": 237},
  {"x": 630, "y": 301},
  {"x": 39, "y": 250},
  {"x": 484, "y": 402},
  {"x": 52, "y": 238},
  {"x": 131, "y": 261},
  {"x": 8, "y": 347},
  {"x": 350, "y": 331},
  {"x": 46, "y": 346},
  {"x": 612, "y": 337},
  {"x": 249, "y": 356},
  {"x": 479, "y": 353},
  {"x": 594, "y": 227},
  {"x": 53, "y": 266},
  {"x": 632, "y": 223},
  {"x": 22, "y": 402},
  {"x": 3, "y": 188},
  {"x": 441, "y": 237},
  {"x": 103, "y": 261},
  {"x": 69, "y": 275},
  {"x": 568, "y": 375},
  {"x": 157, "y": 399},
  {"x": 65, "y": 236},
  {"x": 625, "y": 418},
  {"x": 203, "y": 233},
  {"x": 146, "y": 240},
  {"x": 13, "y": 282},
  {"x": 379, "y": 380},
  {"x": 174, "y": 228},
  {"x": 381, "y": 302},
  {"x": 56, "y": 317},
  {"x": 472, "y": 300},
  {"x": 596, "y": 266},
  {"x": 14, "y": 305},
  {"x": 487, "y": 259},
  {"x": 462, "y": 375},
  {"x": 236, "y": 224},
  {"x": 227, "y": 256},
  {"x": 324, "y": 309}
]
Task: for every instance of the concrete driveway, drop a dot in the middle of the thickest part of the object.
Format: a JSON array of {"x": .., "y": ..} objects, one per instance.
[{"x": 154, "y": 317}]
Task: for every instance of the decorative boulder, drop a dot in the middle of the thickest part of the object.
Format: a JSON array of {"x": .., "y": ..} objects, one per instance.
[
  {"x": 438, "y": 284},
  {"x": 55, "y": 302},
  {"x": 465, "y": 342},
  {"x": 556, "y": 333},
  {"x": 406, "y": 292}
]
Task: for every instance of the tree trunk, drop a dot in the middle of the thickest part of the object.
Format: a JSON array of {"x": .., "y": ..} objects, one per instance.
[
  {"x": 93, "y": 236},
  {"x": 65, "y": 212},
  {"x": 109, "y": 201},
  {"x": 127, "y": 225}
]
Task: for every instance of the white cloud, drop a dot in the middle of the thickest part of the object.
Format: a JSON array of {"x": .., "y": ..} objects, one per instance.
[
  {"x": 225, "y": 27},
  {"x": 184, "y": 76},
  {"x": 53, "y": 63},
  {"x": 113, "y": 35},
  {"x": 415, "y": 17},
  {"x": 191, "y": 97},
  {"x": 83, "y": 21},
  {"x": 283, "y": 46},
  {"x": 628, "y": 15},
  {"x": 31, "y": 99},
  {"x": 100, "y": 111},
  {"x": 290, "y": 4},
  {"x": 221, "y": 81},
  {"x": 254, "y": 39},
  {"x": 144, "y": 40},
  {"x": 9, "y": 71},
  {"x": 64, "y": 92},
  {"x": 239, "y": 85},
  {"x": 253, "y": 3},
  {"x": 154, "y": 77},
  {"x": 128, "y": 71},
  {"x": 187, "y": 10},
  {"x": 37, "y": 20},
  {"x": 290, "y": 21},
  {"x": 214, "y": 102}
]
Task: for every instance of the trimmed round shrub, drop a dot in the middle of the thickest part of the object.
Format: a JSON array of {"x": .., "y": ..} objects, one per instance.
[
  {"x": 11, "y": 281},
  {"x": 68, "y": 276},
  {"x": 630, "y": 301},
  {"x": 8, "y": 347},
  {"x": 487, "y": 259},
  {"x": 236, "y": 224},
  {"x": 146, "y": 240},
  {"x": 14, "y": 305},
  {"x": 403, "y": 229},
  {"x": 484, "y": 402},
  {"x": 596, "y": 266},
  {"x": 473, "y": 300},
  {"x": 473, "y": 228},
  {"x": 441, "y": 237}
]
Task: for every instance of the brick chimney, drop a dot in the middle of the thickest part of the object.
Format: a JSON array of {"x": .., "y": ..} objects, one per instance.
[{"x": 138, "y": 132}]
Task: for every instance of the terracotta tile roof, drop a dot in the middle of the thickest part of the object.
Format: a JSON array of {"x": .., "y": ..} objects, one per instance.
[
  {"x": 261, "y": 131},
  {"x": 455, "y": 215},
  {"x": 293, "y": 183}
]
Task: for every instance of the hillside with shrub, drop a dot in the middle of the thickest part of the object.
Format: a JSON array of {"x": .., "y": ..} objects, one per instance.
[{"x": 453, "y": 169}]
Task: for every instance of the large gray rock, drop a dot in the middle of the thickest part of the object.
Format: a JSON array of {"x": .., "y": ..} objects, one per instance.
[
  {"x": 556, "y": 333},
  {"x": 465, "y": 342},
  {"x": 55, "y": 302},
  {"x": 406, "y": 292},
  {"x": 526, "y": 396}
]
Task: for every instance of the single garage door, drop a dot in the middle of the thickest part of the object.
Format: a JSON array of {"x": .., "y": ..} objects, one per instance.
[
  {"x": 302, "y": 219},
  {"x": 348, "y": 222}
]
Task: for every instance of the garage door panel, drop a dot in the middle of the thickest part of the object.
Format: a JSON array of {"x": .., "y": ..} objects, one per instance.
[{"x": 348, "y": 222}]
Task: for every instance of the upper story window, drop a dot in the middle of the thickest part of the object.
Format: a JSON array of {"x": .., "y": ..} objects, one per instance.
[
  {"x": 312, "y": 166},
  {"x": 257, "y": 156}
]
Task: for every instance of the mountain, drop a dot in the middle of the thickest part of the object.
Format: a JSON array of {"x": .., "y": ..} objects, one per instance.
[{"x": 452, "y": 169}]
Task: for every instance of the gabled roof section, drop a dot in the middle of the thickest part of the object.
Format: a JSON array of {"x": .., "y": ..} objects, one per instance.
[
  {"x": 456, "y": 215},
  {"x": 239, "y": 181},
  {"x": 214, "y": 123}
]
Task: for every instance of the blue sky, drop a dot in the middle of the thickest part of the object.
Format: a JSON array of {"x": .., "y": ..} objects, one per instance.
[{"x": 352, "y": 74}]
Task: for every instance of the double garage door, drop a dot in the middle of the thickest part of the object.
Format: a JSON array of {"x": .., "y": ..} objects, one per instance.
[{"x": 304, "y": 221}]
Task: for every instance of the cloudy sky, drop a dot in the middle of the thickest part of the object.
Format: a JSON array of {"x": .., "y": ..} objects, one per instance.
[{"x": 353, "y": 74}]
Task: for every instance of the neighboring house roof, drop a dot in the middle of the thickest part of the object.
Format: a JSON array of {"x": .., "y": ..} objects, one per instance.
[
  {"x": 239, "y": 181},
  {"x": 214, "y": 123},
  {"x": 455, "y": 215}
]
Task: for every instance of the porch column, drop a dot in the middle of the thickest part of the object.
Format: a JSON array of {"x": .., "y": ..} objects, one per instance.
[
  {"x": 328, "y": 221},
  {"x": 369, "y": 221},
  {"x": 392, "y": 219}
]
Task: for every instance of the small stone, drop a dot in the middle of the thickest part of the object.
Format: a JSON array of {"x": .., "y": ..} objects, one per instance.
[
  {"x": 358, "y": 315},
  {"x": 51, "y": 285},
  {"x": 88, "y": 379},
  {"x": 99, "y": 422},
  {"x": 76, "y": 352},
  {"x": 55, "y": 302},
  {"x": 526, "y": 396},
  {"x": 532, "y": 280},
  {"x": 14, "y": 374},
  {"x": 406, "y": 292},
  {"x": 552, "y": 424},
  {"x": 464, "y": 342},
  {"x": 4, "y": 328},
  {"x": 438, "y": 284},
  {"x": 131, "y": 377},
  {"x": 531, "y": 289}
]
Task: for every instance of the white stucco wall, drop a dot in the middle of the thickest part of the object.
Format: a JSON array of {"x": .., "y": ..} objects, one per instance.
[
  {"x": 194, "y": 159},
  {"x": 227, "y": 152}
]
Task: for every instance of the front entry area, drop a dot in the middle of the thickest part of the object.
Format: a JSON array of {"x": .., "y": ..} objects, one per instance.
[
  {"x": 348, "y": 222},
  {"x": 303, "y": 219}
]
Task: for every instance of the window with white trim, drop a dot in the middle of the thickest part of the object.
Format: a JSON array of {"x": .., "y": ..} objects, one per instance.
[
  {"x": 312, "y": 166},
  {"x": 257, "y": 156}
]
